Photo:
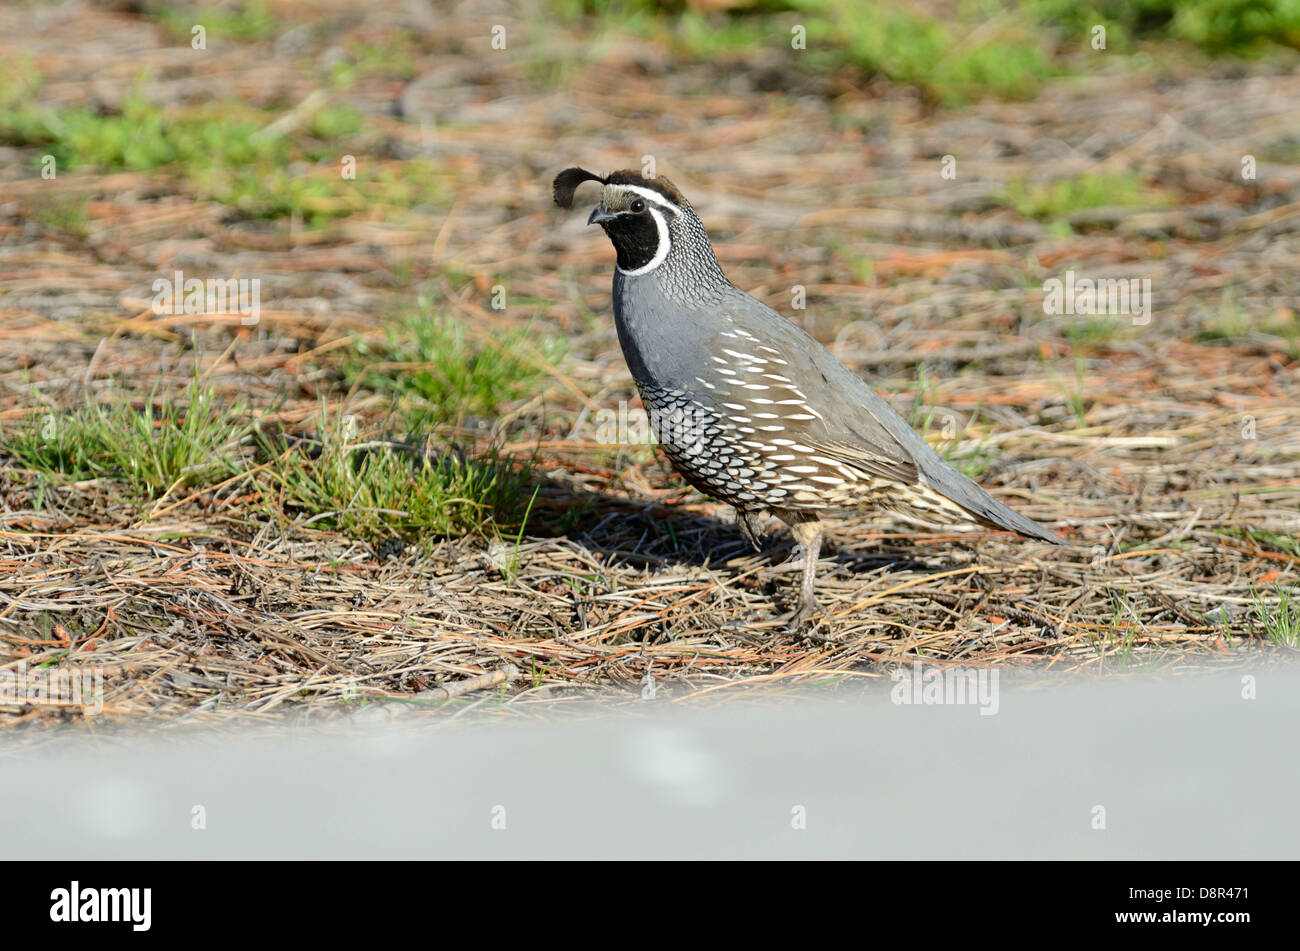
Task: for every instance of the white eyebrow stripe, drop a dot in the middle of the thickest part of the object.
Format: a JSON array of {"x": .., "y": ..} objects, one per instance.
[{"x": 651, "y": 194}]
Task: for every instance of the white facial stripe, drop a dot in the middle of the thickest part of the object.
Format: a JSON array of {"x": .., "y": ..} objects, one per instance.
[
  {"x": 651, "y": 195},
  {"x": 661, "y": 252}
]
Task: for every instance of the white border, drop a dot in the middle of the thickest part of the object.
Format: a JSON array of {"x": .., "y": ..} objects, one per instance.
[
  {"x": 665, "y": 240},
  {"x": 664, "y": 244}
]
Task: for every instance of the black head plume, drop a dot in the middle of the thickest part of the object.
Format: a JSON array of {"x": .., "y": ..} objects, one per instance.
[{"x": 567, "y": 182}]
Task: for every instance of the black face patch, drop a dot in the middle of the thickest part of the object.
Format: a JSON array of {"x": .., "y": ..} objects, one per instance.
[{"x": 635, "y": 237}]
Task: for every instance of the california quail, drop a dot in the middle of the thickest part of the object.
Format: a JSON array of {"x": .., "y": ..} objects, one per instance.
[{"x": 748, "y": 407}]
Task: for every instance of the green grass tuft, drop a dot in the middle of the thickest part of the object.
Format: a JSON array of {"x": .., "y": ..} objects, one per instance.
[
  {"x": 1090, "y": 333},
  {"x": 67, "y": 213},
  {"x": 1004, "y": 55},
  {"x": 233, "y": 154},
  {"x": 1230, "y": 323},
  {"x": 1089, "y": 190},
  {"x": 970, "y": 461},
  {"x": 1280, "y": 620},
  {"x": 1217, "y": 26},
  {"x": 247, "y": 21},
  {"x": 448, "y": 370},
  {"x": 153, "y": 447},
  {"x": 371, "y": 488},
  {"x": 143, "y": 136},
  {"x": 953, "y": 52}
]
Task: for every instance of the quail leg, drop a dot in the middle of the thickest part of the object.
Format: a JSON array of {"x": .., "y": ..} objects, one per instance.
[
  {"x": 809, "y": 536},
  {"x": 751, "y": 526}
]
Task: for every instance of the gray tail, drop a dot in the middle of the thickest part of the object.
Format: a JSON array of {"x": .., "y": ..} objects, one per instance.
[
  {"x": 987, "y": 510},
  {"x": 996, "y": 515}
]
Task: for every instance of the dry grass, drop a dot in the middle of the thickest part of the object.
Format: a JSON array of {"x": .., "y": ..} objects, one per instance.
[{"x": 1168, "y": 453}]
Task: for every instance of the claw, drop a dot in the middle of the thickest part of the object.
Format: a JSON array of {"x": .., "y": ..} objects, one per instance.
[{"x": 800, "y": 621}]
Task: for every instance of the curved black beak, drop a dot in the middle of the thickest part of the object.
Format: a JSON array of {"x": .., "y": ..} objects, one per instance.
[{"x": 599, "y": 215}]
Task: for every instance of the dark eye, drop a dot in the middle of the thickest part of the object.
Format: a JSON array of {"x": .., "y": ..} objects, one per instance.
[{"x": 638, "y": 206}]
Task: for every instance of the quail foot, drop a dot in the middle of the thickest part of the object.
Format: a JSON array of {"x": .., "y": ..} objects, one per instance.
[{"x": 749, "y": 408}]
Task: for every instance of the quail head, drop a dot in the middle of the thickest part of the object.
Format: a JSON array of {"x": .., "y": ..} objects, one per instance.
[{"x": 749, "y": 408}]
